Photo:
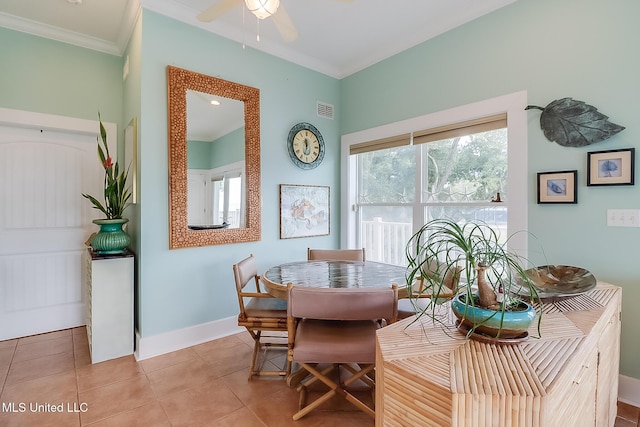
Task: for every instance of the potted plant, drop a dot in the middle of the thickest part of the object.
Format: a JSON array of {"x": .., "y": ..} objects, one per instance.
[
  {"x": 111, "y": 239},
  {"x": 487, "y": 306}
]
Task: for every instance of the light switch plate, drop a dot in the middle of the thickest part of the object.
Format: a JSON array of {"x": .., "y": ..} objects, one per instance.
[{"x": 623, "y": 217}]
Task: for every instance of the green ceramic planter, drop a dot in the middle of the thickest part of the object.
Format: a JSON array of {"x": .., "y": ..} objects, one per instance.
[
  {"x": 508, "y": 324},
  {"x": 111, "y": 239}
]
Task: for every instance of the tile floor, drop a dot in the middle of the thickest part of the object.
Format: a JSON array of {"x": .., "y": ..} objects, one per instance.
[{"x": 203, "y": 385}]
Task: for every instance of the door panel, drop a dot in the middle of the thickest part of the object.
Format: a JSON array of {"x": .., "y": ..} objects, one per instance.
[
  {"x": 196, "y": 194},
  {"x": 44, "y": 222}
]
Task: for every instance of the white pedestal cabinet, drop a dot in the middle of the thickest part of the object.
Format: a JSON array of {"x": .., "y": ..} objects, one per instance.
[{"x": 109, "y": 305}]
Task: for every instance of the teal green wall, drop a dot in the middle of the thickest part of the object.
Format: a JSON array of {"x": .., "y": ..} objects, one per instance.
[
  {"x": 585, "y": 49},
  {"x": 186, "y": 287},
  {"x": 228, "y": 149},
  {"x": 45, "y": 76},
  {"x": 199, "y": 154},
  {"x": 212, "y": 154}
]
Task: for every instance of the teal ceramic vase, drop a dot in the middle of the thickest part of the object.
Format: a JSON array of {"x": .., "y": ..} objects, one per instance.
[
  {"x": 111, "y": 239},
  {"x": 492, "y": 323}
]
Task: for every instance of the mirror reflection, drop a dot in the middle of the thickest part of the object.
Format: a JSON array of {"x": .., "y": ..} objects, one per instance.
[{"x": 215, "y": 162}]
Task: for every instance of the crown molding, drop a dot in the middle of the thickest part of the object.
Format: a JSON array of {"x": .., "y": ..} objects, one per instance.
[
  {"x": 65, "y": 36},
  {"x": 127, "y": 24}
]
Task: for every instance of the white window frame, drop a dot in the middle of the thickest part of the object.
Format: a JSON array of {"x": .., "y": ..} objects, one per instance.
[
  {"x": 517, "y": 202},
  {"x": 221, "y": 173}
]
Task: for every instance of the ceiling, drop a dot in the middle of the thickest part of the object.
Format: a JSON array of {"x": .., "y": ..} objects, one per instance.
[{"x": 336, "y": 37}]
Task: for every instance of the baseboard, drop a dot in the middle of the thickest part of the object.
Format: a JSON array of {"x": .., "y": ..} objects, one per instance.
[
  {"x": 156, "y": 345},
  {"x": 629, "y": 390}
]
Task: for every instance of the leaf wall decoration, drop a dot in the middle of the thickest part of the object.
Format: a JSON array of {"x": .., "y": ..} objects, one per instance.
[{"x": 572, "y": 123}]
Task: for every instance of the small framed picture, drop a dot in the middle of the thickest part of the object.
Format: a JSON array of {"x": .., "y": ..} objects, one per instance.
[
  {"x": 304, "y": 211},
  {"x": 611, "y": 167},
  {"x": 558, "y": 187}
]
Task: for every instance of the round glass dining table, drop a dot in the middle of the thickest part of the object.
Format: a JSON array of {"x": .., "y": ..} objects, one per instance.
[{"x": 333, "y": 274}]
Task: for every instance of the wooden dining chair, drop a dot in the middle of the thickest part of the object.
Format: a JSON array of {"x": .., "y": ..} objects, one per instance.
[
  {"x": 335, "y": 254},
  {"x": 421, "y": 291},
  {"x": 259, "y": 313},
  {"x": 337, "y": 327}
]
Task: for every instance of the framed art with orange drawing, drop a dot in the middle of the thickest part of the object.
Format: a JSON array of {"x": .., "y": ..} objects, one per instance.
[{"x": 304, "y": 211}]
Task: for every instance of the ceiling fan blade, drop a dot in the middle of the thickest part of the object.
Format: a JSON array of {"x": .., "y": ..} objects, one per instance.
[
  {"x": 285, "y": 25},
  {"x": 217, "y": 10}
]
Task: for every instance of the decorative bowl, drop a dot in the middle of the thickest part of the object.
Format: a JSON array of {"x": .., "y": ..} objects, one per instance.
[{"x": 558, "y": 281}]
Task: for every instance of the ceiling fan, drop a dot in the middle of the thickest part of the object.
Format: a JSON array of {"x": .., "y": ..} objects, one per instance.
[{"x": 262, "y": 9}]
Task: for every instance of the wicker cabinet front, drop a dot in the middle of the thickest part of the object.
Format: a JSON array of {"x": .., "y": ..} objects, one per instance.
[{"x": 429, "y": 375}]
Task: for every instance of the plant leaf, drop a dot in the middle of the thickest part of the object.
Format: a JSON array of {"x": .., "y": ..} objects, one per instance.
[
  {"x": 96, "y": 203},
  {"x": 573, "y": 123}
]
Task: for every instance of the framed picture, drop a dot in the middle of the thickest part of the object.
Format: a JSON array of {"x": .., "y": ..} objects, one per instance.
[
  {"x": 558, "y": 187},
  {"x": 131, "y": 157},
  {"x": 611, "y": 167},
  {"x": 304, "y": 211}
]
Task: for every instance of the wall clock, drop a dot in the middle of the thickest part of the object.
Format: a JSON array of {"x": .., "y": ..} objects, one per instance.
[{"x": 306, "y": 146}]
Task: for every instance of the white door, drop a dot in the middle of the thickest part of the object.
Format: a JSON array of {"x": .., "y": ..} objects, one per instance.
[
  {"x": 44, "y": 222},
  {"x": 196, "y": 198}
]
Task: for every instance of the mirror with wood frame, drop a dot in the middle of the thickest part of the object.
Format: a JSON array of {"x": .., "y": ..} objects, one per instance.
[{"x": 184, "y": 90}]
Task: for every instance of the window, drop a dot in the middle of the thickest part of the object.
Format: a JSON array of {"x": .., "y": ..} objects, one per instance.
[
  {"x": 227, "y": 194},
  {"x": 450, "y": 164},
  {"x": 215, "y": 196}
]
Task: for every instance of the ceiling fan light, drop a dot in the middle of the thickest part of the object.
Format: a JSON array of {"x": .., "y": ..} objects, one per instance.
[{"x": 262, "y": 8}]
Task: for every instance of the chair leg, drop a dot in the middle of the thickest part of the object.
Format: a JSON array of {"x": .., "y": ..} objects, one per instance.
[
  {"x": 288, "y": 368},
  {"x": 318, "y": 375},
  {"x": 302, "y": 400},
  {"x": 368, "y": 377},
  {"x": 255, "y": 370},
  {"x": 254, "y": 357},
  {"x": 302, "y": 388},
  {"x": 304, "y": 411},
  {"x": 281, "y": 372},
  {"x": 335, "y": 388},
  {"x": 295, "y": 378},
  {"x": 357, "y": 403},
  {"x": 359, "y": 375}
]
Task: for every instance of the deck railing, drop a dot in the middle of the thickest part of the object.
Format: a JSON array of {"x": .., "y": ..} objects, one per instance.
[{"x": 385, "y": 241}]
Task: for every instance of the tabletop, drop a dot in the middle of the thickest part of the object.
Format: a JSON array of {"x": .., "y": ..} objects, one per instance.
[{"x": 333, "y": 274}]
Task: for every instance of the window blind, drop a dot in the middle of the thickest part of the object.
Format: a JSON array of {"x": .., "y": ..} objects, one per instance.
[
  {"x": 381, "y": 144},
  {"x": 469, "y": 127}
]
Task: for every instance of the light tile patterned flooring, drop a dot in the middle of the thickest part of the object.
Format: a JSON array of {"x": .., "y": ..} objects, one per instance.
[
  {"x": 628, "y": 416},
  {"x": 204, "y": 385}
]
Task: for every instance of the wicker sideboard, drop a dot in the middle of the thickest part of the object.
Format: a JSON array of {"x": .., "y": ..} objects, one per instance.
[{"x": 428, "y": 375}]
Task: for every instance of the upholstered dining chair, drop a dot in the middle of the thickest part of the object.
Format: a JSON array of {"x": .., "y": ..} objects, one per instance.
[
  {"x": 335, "y": 254},
  {"x": 260, "y": 314},
  {"x": 337, "y": 327}
]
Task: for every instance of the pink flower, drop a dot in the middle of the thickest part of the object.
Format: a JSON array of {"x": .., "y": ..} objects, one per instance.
[{"x": 108, "y": 163}]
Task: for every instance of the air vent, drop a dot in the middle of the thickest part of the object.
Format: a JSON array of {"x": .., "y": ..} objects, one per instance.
[{"x": 325, "y": 110}]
